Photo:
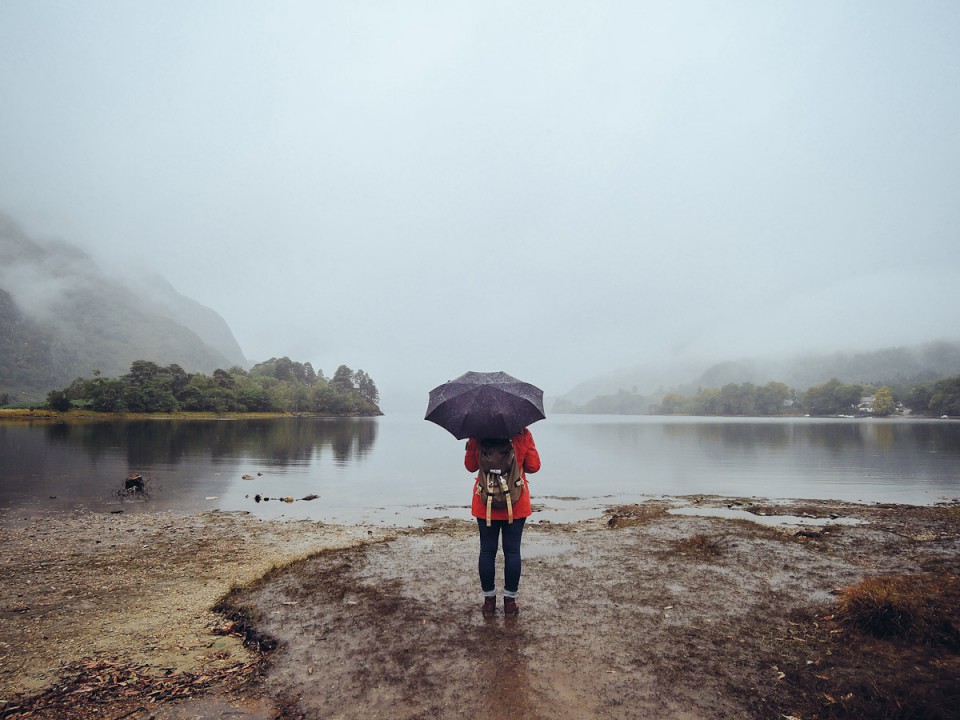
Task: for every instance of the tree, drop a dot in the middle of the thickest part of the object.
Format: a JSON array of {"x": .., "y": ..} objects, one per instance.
[
  {"x": 674, "y": 404},
  {"x": 149, "y": 388},
  {"x": 832, "y": 397},
  {"x": 223, "y": 379},
  {"x": 322, "y": 400},
  {"x": 301, "y": 398},
  {"x": 883, "y": 402},
  {"x": 772, "y": 398},
  {"x": 178, "y": 378},
  {"x": 106, "y": 395},
  {"x": 847, "y": 397},
  {"x": 918, "y": 398},
  {"x": 946, "y": 397},
  {"x": 342, "y": 380},
  {"x": 283, "y": 369},
  {"x": 57, "y": 400},
  {"x": 737, "y": 400},
  {"x": 707, "y": 402},
  {"x": 193, "y": 398},
  {"x": 366, "y": 387},
  {"x": 142, "y": 372},
  {"x": 252, "y": 394}
]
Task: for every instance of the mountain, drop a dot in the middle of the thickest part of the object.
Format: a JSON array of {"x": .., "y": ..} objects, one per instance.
[
  {"x": 645, "y": 379},
  {"x": 204, "y": 322},
  {"x": 887, "y": 366},
  {"x": 63, "y": 317}
]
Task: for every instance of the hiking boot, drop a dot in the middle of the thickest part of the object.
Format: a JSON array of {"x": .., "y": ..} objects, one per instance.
[
  {"x": 510, "y": 606},
  {"x": 489, "y": 606}
]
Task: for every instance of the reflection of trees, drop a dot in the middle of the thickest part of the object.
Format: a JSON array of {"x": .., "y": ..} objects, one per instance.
[
  {"x": 835, "y": 437},
  {"x": 59, "y": 431},
  {"x": 366, "y": 437},
  {"x": 832, "y": 436},
  {"x": 353, "y": 439},
  {"x": 884, "y": 435},
  {"x": 276, "y": 441},
  {"x": 744, "y": 435},
  {"x": 919, "y": 436},
  {"x": 931, "y": 437},
  {"x": 96, "y": 438},
  {"x": 935, "y": 437}
]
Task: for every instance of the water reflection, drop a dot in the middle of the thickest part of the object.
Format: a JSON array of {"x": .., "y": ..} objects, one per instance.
[
  {"x": 742, "y": 435},
  {"x": 936, "y": 437},
  {"x": 353, "y": 465},
  {"x": 278, "y": 442},
  {"x": 860, "y": 460},
  {"x": 189, "y": 464}
]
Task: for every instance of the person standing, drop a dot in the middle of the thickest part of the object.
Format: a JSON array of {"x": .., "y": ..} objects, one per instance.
[{"x": 505, "y": 523}]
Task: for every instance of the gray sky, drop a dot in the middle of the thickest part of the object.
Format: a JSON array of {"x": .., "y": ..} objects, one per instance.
[{"x": 555, "y": 189}]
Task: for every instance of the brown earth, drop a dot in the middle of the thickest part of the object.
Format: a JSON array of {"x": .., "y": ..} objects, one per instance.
[{"x": 640, "y": 613}]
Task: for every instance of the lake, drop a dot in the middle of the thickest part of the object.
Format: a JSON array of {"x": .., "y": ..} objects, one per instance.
[{"x": 400, "y": 468}]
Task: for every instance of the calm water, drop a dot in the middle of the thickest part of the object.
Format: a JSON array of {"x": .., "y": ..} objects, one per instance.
[{"x": 401, "y": 468}]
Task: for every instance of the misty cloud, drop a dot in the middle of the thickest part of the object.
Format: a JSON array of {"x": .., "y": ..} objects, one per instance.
[
  {"x": 611, "y": 184},
  {"x": 41, "y": 277}
]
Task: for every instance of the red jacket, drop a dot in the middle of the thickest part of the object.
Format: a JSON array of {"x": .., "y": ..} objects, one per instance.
[{"x": 528, "y": 460}]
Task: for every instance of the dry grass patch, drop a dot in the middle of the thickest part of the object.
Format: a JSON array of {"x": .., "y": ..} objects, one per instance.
[
  {"x": 922, "y": 608},
  {"x": 889, "y": 649},
  {"x": 700, "y": 546}
]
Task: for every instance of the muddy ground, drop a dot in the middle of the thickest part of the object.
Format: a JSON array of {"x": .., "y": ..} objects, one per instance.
[{"x": 640, "y": 613}]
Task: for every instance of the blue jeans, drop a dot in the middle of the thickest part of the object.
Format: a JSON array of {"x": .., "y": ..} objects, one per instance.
[{"x": 489, "y": 536}]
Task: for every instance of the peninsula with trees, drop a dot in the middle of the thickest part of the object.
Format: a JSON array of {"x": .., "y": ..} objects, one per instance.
[{"x": 279, "y": 385}]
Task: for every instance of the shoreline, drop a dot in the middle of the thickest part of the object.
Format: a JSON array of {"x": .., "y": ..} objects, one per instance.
[
  {"x": 77, "y": 415},
  {"x": 139, "y": 589}
]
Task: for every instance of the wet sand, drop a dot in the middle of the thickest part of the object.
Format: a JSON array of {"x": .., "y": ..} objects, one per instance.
[{"x": 638, "y": 613}]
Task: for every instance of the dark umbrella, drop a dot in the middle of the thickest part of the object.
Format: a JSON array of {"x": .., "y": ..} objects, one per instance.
[{"x": 485, "y": 405}]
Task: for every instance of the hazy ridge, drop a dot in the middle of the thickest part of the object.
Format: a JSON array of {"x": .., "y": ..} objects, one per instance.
[
  {"x": 62, "y": 316},
  {"x": 885, "y": 366}
]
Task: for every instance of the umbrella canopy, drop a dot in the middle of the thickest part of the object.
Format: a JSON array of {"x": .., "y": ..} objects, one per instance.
[{"x": 485, "y": 405}]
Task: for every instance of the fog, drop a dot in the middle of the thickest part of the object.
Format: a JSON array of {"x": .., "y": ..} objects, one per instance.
[{"x": 552, "y": 189}]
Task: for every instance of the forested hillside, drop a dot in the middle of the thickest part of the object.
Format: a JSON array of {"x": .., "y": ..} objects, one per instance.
[
  {"x": 885, "y": 366},
  {"x": 62, "y": 317},
  {"x": 923, "y": 378}
]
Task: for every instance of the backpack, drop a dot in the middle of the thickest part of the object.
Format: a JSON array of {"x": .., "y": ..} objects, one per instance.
[{"x": 499, "y": 484}]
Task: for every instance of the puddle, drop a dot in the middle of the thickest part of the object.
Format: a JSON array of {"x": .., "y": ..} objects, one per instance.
[
  {"x": 536, "y": 546},
  {"x": 562, "y": 516},
  {"x": 734, "y": 514}
]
